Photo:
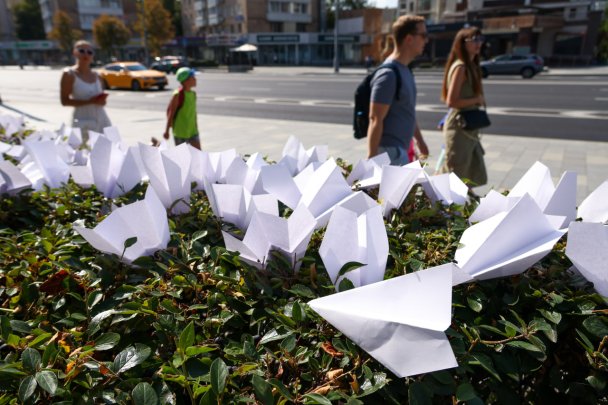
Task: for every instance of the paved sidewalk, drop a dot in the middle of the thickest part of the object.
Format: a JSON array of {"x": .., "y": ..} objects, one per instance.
[{"x": 507, "y": 157}]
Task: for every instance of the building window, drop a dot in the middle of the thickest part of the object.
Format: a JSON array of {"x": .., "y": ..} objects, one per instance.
[
  {"x": 300, "y": 27},
  {"x": 276, "y": 27},
  {"x": 411, "y": 7},
  {"x": 300, "y": 8}
]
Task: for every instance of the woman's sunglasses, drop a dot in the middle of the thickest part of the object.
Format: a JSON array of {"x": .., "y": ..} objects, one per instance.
[
  {"x": 477, "y": 39},
  {"x": 83, "y": 51}
]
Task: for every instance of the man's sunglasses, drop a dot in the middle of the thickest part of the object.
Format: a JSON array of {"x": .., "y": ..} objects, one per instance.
[{"x": 85, "y": 51}]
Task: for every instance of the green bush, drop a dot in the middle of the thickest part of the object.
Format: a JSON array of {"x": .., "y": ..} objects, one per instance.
[{"x": 195, "y": 325}]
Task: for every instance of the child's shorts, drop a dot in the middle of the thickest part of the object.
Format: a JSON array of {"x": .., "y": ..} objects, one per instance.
[{"x": 179, "y": 141}]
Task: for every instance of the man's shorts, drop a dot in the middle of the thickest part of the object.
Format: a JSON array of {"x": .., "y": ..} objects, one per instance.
[{"x": 179, "y": 141}]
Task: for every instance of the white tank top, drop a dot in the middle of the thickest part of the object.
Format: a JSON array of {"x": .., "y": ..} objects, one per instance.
[{"x": 91, "y": 116}]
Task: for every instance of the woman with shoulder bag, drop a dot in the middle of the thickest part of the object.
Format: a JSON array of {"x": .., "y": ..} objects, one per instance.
[{"x": 462, "y": 91}]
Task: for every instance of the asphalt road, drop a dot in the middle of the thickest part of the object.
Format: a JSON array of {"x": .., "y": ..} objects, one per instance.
[{"x": 574, "y": 107}]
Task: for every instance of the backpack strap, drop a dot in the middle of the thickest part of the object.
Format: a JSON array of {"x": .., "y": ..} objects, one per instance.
[{"x": 395, "y": 70}]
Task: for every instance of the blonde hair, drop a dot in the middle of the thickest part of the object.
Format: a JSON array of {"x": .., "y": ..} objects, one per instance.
[
  {"x": 402, "y": 27},
  {"x": 82, "y": 42}
]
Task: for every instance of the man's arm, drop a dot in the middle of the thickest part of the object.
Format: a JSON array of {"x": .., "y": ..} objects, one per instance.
[
  {"x": 422, "y": 147},
  {"x": 377, "y": 113}
]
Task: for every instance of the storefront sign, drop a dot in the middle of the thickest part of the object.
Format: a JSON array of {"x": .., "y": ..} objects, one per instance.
[
  {"x": 267, "y": 38},
  {"x": 341, "y": 38},
  {"x": 35, "y": 45}
]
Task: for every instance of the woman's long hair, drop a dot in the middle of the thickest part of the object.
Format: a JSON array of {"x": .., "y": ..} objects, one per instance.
[
  {"x": 403, "y": 26},
  {"x": 459, "y": 52}
]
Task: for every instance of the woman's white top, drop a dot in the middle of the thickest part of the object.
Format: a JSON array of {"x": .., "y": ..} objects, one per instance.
[{"x": 91, "y": 117}]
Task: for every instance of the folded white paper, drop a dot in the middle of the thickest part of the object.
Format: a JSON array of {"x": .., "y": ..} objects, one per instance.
[
  {"x": 47, "y": 157},
  {"x": 266, "y": 232},
  {"x": 400, "y": 322},
  {"x": 145, "y": 219},
  {"x": 553, "y": 200},
  {"x": 234, "y": 204},
  {"x": 369, "y": 171},
  {"x": 447, "y": 188},
  {"x": 296, "y": 157},
  {"x": 169, "y": 173},
  {"x": 507, "y": 243},
  {"x": 11, "y": 123},
  {"x": 395, "y": 184},
  {"x": 277, "y": 180},
  {"x": 594, "y": 208},
  {"x": 587, "y": 248},
  {"x": 325, "y": 190},
  {"x": 356, "y": 233},
  {"x": 12, "y": 179}
]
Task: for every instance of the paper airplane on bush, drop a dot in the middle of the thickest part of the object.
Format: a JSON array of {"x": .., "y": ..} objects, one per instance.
[
  {"x": 47, "y": 158},
  {"x": 11, "y": 178},
  {"x": 12, "y": 124},
  {"x": 587, "y": 248},
  {"x": 169, "y": 173},
  {"x": 447, "y": 188},
  {"x": 266, "y": 232},
  {"x": 507, "y": 243},
  {"x": 234, "y": 204},
  {"x": 356, "y": 233},
  {"x": 537, "y": 183},
  {"x": 594, "y": 208},
  {"x": 146, "y": 220},
  {"x": 400, "y": 322},
  {"x": 247, "y": 173},
  {"x": 296, "y": 157},
  {"x": 368, "y": 172},
  {"x": 395, "y": 184}
]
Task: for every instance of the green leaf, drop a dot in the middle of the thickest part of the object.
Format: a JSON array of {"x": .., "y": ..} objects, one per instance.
[
  {"x": 263, "y": 390},
  {"x": 95, "y": 324},
  {"x": 345, "y": 285},
  {"x": 196, "y": 350},
  {"x": 144, "y": 394},
  {"x": 186, "y": 338},
  {"x": 94, "y": 298},
  {"x": 596, "y": 326},
  {"x": 596, "y": 382},
  {"x": 474, "y": 304},
  {"x": 27, "y": 387},
  {"x": 419, "y": 394},
  {"x": 31, "y": 359},
  {"x": 130, "y": 357},
  {"x": 525, "y": 346},
  {"x": 130, "y": 242},
  {"x": 302, "y": 291},
  {"x": 5, "y": 327},
  {"x": 551, "y": 316},
  {"x": 485, "y": 362},
  {"x": 316, "y": 399},
  {"x": 350, "y": 266},
  {"x": 107, "y": 341},
  {"x": 465, "y": 392},
  {"x": 297, "y": 312},
  {"x": 47, "y": 381},
  {"x": 219, "y": 374}
]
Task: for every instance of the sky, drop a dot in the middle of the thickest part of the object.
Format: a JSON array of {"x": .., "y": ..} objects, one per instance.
[{"x": 384, "y": 3}]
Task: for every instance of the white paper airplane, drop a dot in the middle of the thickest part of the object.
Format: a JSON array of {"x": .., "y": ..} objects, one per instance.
[
  {"x": 587, "y": 248},
  {"x": 594, "y": 208}
]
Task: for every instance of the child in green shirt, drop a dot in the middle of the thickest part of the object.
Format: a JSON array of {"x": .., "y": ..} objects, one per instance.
[{"x": 181, "y": 112}]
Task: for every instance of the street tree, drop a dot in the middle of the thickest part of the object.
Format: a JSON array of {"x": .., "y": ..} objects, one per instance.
[
  {"x": 110, "y": 33},
  {"x": 63, "y": 31},
  {"x": 602, "y": 44},
  {"x": 174, "y": 7},
  {"x": 28, "y": 20},
  {"x": 343, "y": 5},
  {"x": 156, "y": 25}
]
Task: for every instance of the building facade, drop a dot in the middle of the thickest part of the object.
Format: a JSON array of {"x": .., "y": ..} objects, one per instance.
[{"x": 563, "y": 32}]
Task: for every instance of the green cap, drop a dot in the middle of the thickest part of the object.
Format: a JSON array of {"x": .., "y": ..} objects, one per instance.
[{"x": 184, "y": 73}]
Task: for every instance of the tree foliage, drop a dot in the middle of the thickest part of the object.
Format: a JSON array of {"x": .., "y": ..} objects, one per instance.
[
  {"x": 28, "y": 20},
  {"x": 344, "y": 5},
  {"x": 110, "y": 32},
  {"x": 156, "y": 22},
  {"x": 174, "y": 7},
  {"x": 63, "y": 31},
  {"x": 602, "y": 48}
]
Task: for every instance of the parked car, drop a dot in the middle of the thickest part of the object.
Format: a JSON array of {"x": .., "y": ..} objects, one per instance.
[
  {"x": 168, "y": 64},
  {"x": 131, "y": 75},
  {"x": 525, "y": 65}
]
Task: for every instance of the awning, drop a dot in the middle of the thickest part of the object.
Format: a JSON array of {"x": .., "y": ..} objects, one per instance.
[{"x": 245, "y": 48}]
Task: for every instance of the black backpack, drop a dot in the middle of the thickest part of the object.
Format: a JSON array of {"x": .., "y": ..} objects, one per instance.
[{"x": 362, "y": 100}]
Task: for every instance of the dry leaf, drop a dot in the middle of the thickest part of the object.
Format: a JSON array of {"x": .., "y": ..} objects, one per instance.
[{"x": 329, "y": 349}]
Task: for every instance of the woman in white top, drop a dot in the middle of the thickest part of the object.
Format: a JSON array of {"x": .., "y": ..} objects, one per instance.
[{"x": 81, "y": 88}]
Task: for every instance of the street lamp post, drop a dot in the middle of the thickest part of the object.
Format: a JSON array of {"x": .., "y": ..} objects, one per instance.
[{"x": 336, "y": 54}]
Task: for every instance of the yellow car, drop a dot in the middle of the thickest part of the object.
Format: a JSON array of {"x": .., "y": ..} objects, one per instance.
[{"x": 131, "y": 75}]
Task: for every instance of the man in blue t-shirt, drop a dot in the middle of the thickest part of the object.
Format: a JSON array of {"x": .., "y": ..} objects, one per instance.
[{"x": 393, "y": 119}]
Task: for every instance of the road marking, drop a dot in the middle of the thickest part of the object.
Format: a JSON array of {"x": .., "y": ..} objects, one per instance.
[
  {"x": 150, "y": 95},
  {"x": 255, "y": 89},
  {"x": 601, "y": 99}
]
